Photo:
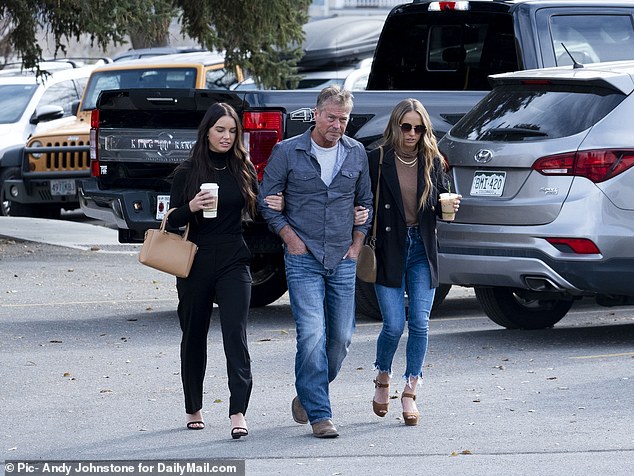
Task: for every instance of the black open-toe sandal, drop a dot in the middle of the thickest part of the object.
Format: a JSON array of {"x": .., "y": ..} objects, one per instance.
[
  {"x": 191, "y": 425},
  {"x": 238, "y": 432}
]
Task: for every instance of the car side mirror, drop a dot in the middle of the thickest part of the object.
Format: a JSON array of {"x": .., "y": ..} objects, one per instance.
[{"x": 46, "y": 113}]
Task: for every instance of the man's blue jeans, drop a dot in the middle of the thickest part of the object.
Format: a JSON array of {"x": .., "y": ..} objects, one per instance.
[
  {"x": 417, "y": 282},
  {"x": 322, "y": 302}
]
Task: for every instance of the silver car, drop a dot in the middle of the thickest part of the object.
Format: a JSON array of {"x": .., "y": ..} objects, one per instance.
[{"x": 545, "y": 165}]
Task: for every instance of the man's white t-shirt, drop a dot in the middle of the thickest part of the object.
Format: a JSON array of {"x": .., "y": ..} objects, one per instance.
[{"x": 327, "y": 158}]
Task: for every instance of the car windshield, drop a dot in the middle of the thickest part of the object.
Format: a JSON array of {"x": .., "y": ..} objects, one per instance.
[
  {"x": 515, "y": 113},
  {"x": 13, "y": 101},
  {"x": 136, "y": 79}
]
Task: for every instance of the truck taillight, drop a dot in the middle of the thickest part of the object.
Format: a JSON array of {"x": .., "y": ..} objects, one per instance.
[
  {"x": 94, "y": 157},
  {"x": 262, "y": 130},
  {"x": 595, "y": 165}
]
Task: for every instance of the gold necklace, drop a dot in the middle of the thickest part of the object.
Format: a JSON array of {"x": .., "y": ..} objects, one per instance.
[{"x": 411, "y": 163}]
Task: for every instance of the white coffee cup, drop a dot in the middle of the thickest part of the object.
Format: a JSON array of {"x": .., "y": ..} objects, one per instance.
[
  {"x": 446, "y": 204},
  {"x": 212, "y": 211}
]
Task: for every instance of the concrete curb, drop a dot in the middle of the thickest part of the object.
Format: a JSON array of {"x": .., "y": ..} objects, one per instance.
[{"x": 70, "y": 234}]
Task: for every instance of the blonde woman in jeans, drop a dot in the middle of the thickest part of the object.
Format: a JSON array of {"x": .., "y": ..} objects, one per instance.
[{"x": 412, "y": 177}]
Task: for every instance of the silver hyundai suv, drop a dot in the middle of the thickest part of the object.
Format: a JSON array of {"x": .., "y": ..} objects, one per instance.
[{"x": 545, "y": 166}]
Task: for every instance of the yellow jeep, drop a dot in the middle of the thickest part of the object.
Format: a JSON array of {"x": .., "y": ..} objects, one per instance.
[{"x": 58, "y": 152}]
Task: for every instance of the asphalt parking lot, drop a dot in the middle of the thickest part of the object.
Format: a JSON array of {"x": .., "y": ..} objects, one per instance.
[{"x": 89, "y": 346}]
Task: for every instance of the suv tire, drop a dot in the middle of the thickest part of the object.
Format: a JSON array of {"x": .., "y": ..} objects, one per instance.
[{"x": 513, "y": 309}]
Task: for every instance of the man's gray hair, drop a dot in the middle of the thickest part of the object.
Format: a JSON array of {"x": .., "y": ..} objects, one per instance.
[{"x": 335, "y": 95}]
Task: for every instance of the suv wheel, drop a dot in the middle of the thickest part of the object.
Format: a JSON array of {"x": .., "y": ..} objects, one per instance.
[
  {"x": 515, "y": 309},
  {"x": 367, "y": 304}
]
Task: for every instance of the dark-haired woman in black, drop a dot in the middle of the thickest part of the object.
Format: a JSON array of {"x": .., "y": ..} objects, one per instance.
[{"x": 220, "y": 270}]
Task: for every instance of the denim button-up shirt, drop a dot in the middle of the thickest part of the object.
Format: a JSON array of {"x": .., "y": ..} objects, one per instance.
[{"x": 322, "y": 216}]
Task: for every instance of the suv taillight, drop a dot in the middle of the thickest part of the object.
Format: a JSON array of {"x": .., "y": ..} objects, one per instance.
[
  {"x": 582, "y": 246},
  {"x": 262, "y": 130},
  {"x": 595, "y": 165},
  {"x": 94, "y": 157}
]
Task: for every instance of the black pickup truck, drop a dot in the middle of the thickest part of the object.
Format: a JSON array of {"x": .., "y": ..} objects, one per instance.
[{"x": 438, "y": 52}]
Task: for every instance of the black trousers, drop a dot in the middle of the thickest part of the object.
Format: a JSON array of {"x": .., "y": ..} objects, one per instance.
[{"x": 220, "y": 271}]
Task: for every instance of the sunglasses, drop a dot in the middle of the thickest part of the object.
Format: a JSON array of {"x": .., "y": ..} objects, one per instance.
[{"x": 406, "y": 127}]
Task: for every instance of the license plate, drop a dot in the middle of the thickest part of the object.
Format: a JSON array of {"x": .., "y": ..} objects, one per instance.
[
  {"x": 63, "y": 187},
  {"x": 162, "y": 205},
  {"x": 487, "y": 183}
]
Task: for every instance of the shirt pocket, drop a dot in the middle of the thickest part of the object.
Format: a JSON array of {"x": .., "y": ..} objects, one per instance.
[
  {"x": 347, "y": 182},
  {"x": 305, "y": 181}
]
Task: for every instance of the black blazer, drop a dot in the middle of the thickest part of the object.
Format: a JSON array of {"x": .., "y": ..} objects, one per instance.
[{"x": 391, "y": 226}]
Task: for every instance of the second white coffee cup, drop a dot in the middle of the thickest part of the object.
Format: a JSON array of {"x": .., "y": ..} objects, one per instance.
[
  {"x": 446, "y": 202},
  {"x": 212, "y": 188}
]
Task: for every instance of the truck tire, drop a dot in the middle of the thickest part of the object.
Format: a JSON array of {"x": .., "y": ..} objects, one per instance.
[
  {"x": 365, "y": 300},
  {"x": 269, "y": 279},
  {"x": 9, "y": 208},
  {"x": 509, "y": 308},
  {"x": 367, "y": 304}
]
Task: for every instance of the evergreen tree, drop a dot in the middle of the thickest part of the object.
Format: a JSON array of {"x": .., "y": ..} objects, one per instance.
[{"x": 263, "y": 37}]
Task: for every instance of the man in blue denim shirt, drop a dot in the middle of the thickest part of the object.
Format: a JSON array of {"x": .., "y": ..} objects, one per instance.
[{"x": 323, "y": 175}]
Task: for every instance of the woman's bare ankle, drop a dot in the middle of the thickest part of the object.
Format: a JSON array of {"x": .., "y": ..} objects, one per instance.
[{"x": 382, "y": 394}]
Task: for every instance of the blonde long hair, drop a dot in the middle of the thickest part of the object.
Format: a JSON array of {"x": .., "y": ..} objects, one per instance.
[{"x": 393, "y": 136}]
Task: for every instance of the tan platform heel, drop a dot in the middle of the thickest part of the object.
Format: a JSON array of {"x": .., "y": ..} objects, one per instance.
[
  {"x": 380, "y": 409},
  {"x": 410, "y": 418}
]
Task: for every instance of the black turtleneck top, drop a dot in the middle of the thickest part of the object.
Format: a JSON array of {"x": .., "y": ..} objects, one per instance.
[{"x": 208, "y": 231}]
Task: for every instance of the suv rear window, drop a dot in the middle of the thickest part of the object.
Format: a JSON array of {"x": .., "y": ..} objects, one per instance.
[
  {"x": 513, "y": 113},
  {"x": 448, "y": 52}
]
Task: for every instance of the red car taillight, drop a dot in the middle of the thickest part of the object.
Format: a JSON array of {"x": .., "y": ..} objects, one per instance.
[
  {"x": 582, "y": 246},
  {"x": 595, "y": 165},
  {"x": 262, "y": 130},
  {"x": 94, "y": 156}
]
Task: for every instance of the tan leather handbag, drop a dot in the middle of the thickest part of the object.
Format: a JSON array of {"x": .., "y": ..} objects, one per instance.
[{"x": 168, "y": 252}]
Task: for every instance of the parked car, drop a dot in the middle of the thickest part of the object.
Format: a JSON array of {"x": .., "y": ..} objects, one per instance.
[
  {"x": 27, "y": 100},
  {"x": 352, "y": 79},
  {"x": 545, "y": 165},
  {"x": 155, "y": 51},
  {"x": 39, "y": 180},
  {"x": 340, "y": 41}
]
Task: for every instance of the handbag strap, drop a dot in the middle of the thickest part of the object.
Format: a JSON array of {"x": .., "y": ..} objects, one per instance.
[
  {"x": 164, "y": 224},
  {"x": 376, "y": 196}
]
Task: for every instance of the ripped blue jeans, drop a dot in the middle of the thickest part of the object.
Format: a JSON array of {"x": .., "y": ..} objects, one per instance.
[{"x": 417, "y": 283}]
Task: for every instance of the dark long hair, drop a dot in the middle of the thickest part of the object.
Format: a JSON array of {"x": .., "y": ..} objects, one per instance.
[{"x": 200, "y": 167}]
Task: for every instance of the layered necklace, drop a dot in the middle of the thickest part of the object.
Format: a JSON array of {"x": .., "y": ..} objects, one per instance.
[{"x": 407, "y": 163}]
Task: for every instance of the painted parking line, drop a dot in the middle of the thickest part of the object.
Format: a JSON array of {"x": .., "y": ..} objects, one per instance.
[
  {"x": 602, "y": 356},
  {"x": 75, "y": 303}
]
